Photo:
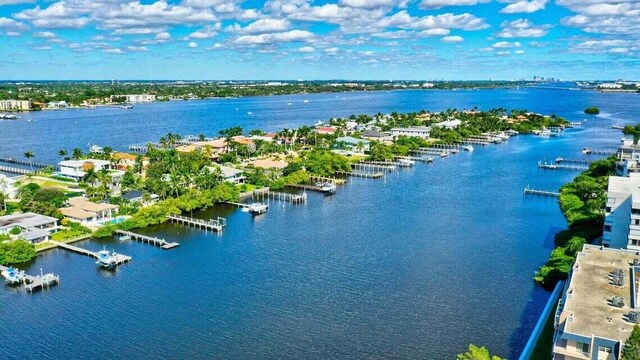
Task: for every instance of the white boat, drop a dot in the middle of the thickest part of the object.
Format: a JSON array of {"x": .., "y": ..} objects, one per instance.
[
  {"x": 257, "y": 208},
  {"x": 327, "y": 187},
  {"x": 444, "y": 154},
  {"x": 306, "y": 101},
  {"x": 12, "y": 275},
  {"x": 545, "y": 133},
  {"x": 106, "y": 259},
  {"x": 576, "y": 123},
  {"x": 511, "y": 132},
  {"x": 406, "y": 161},
  {"x": 430, "y": 159},
  {"x": 467, "y": 148},
  {"x": 586, "y": 151},
  {"x": 126, "y": 107}
]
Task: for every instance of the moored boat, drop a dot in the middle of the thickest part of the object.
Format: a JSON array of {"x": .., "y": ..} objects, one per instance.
[
  {"x": 327, "y": 187},
  {"x": 12, "y": 275},
  {"x": 106, "y": 259},
  {"x": 467, "y": 148}
]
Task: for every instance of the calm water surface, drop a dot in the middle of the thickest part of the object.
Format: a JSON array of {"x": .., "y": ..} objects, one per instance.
[{"x": 417, "y": 265}]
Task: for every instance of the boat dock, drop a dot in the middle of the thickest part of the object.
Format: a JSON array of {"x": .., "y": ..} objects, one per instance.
[
  {"x": 212, "y": 224},
  {"x": 364, "y": 167},
  {"x": 444, "y": 146},
  {"x": 413, "y": 158},
  {"x": 546, "y": 166},
  {"x": 148, "y": 239},
  {"x": 473, "y": 142},
  {"x": 120, "y": 259},
  {"x": 530, "y": 191},
  {"x": 386, "y": 163},
  {"x": 281, "y": 196},
  {"x": 17, "y": 171},
  {"x": 308, "y": 187},
  {"x": 11, "y": 160},
  {"x": 365, "y": 175},
  {"x": 41, "y": 281},
  {"x": 332, "y": 180},
  {"x": 573, "y": 161},
  {"x": 599, "y": 152}
]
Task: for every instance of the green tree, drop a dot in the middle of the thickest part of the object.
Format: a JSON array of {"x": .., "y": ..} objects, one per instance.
[
  {"x": 76, "y": 153},
  {"x": 631, "y": 349},
  {"x": 29, "y": 155},
  {"x": 62, "y": 153},
  {"x": 477, "y": 353}
]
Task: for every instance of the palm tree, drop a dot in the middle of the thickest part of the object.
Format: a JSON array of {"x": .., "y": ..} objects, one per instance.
[
  {"x": 29, "y": 155},
  {"x": 76, "y": 153},
  {"x": 202, "y": 137},
  {"x": 90, "y": 176},
  {"x": 62, "y": 153}
]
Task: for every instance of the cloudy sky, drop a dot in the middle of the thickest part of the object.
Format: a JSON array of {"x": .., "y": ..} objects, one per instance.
[{"x": 304, "y": 39}]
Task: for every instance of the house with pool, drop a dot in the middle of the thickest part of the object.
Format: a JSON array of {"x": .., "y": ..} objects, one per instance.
[{"x": 88, "y": 213}]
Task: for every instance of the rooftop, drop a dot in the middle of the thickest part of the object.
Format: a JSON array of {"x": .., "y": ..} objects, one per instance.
[
  {"x": 412, "y": 128},
  {"x": 25, "y": 220},
  {"x": 86, "y": 205},
  {"x": 586, "y": 309},
  {"x": 77, "y": 163}
]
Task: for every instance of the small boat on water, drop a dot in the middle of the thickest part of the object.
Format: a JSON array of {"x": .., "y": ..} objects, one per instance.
[
  {"x": 257, "y": 208},
  {"x": 468, "y": 148},
  {"x": 327, "y": 187},
  {"x": 444, "y": 154},
  {"x": 126, "y": 107},
  {"x": 545, "y": 133},
  {"x": 408, "y": 162},
  {"x": 511, "y": 132},
  {"x": 576, "y": 123},
  {"x": 124, "y": 238},
  {"x": 12, "y": 275},
  {"x": 306, "y": 101},
  {"x": 107, "y": 259},
  {"x": 430, "y": 159},
  {"x": 586, "y": 151}
]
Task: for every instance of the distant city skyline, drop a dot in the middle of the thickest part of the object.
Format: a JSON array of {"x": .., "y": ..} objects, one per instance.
[{"x": 320, "y": 40}]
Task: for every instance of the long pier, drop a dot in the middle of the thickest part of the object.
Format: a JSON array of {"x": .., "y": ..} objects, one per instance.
[
  {"x": 282, "y": 196},
  {"x": 308, "y": 187},
  {"x": 573, "y": 161},
  {"x": 473, "y": 142},
  {"x": 32, "y": 283},
  {"x": 212, "y": 224},
  {"x": 376, "y": 175},
  {"x": 599, "y": 152},
  {"x": 530, "y": 191},
  {"x": 11, "y": 160},
  {"x": 542, "y": 165},
  {"x": 386, "y": 163},
  {"x": 17, "y": 171},
  {"x": 413, "y": 158},
  {"x": 120, "y": 259},
  {"x": 148, "y": 239}
]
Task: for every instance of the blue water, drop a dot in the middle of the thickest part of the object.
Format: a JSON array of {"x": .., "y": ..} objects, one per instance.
[{"x": 416, "y": 265}]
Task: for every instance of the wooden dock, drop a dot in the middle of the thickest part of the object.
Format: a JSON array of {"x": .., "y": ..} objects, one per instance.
[
  {"x": 386, "y": 163},
  {"x": 32, "y": 283},
  {"x": 572, "y": 161},
  {"x": 212, "y": 224},
  {"x": 17, "y": 171},
  {"x": 546, "y": 166},
  {"x": 308, "y": 187},
  {"x": 413, "y": 158},
  {"x": 365, "y": 175},
  {"x": 148, "y": 239},
  {"x": 281, "y": 196},
  {"x": 600, "y": 152},
  {"x": 473, "y": 142},
  {"x": 120, "y": 259},
  {"x": 530, "y": 191}
]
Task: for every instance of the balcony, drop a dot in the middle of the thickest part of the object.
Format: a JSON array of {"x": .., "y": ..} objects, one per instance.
[{"x": 568, "y": 352}]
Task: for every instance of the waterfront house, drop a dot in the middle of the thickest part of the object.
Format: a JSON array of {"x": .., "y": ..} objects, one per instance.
[
  {"x": 599, "y": 307},
  {"x": 86, "y": 212},
  {"x": 449, "y": 124},
  {"x": 126, "y": 161},
  {"x": 212, "y": 148},
  {"x": 326, "y": 130},
  {"x": 33, "y": 227},
  {"x": 377, "y": 136},
  {"x": 77, "y": 169},
  {"x": 351, "y": 143},
  {"x": 229, "y": 174},
  {"x": 268, "y": 164},
  {"x": 137, "y": 197},
  {"x": 413, "y": 131}
]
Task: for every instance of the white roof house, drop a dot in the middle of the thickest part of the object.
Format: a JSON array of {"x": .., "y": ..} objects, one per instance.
[
  {"x": 449, "y": 124},
  {"x": 78, "y": 168},
  {"x": 414, "y": 131},
  {"x": 34, "y": 227},
  {"x": 229, "y": 174}
]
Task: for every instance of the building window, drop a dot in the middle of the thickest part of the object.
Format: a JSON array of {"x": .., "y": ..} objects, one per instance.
[
  {"x": 637, "y": 222},
  {"x": 604, "y": 349},
  {"x": 583, "y": 347},
  {"x": 608, "y": 209},
  {"x": 607, "y": 228}
]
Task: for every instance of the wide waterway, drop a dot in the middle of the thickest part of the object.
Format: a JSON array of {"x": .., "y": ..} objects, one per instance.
[{"x": 417, "y": 265}]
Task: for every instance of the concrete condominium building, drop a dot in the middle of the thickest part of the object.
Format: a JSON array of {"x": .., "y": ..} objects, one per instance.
[
  {"x": 599, "y": 306},
  {"x": 7, "y": 105},
  {"x": 136, "y": 98},
  {"x": 414, "y": 131},
  {"x": 622, "y": 213}
]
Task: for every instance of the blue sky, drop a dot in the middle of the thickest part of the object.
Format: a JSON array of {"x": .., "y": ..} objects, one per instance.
[{"x": 304, "y": 39}]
